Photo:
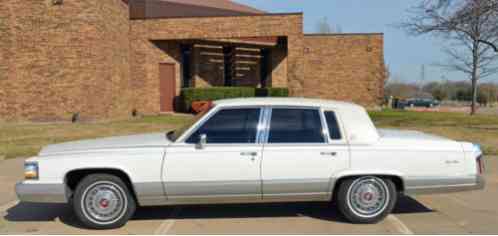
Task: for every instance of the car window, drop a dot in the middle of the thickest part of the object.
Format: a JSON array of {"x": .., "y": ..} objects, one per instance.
[
  {"x": 175, "y": 134},
  {"x": 295, "y": 126},
  {"x": 229, "y": 126},
  {"x": 333, "y": 125}
]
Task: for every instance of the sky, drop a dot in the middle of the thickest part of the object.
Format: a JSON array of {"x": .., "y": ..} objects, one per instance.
[{"x": 404, "y": 54}]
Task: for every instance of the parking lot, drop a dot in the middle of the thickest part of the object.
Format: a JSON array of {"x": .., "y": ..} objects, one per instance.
[{"x": 460, "y": 213}]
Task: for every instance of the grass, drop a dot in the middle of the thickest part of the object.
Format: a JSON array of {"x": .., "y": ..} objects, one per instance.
[
  {"x": 482, "y": 129},
  {"x": 26, "y": 139}
]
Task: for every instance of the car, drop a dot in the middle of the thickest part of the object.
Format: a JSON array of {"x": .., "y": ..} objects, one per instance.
[
  {"x": 420, "y": 102},
  {"x": 249, "y": 151}
]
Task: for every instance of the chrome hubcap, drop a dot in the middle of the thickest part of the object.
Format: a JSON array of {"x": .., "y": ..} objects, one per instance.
[
  {"x": 368, "y": 196},
  {"x": 104, "y": 202}
]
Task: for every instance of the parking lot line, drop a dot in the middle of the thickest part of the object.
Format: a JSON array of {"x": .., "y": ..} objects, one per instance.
[
  {"x": 167, "y": 225},
  {"x": 400, "y": 227}
]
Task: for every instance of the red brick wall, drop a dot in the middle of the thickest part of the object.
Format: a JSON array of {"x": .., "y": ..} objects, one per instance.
[
  {"x": 6, "y": 50},
  {"x": 88, "y": 57},
  {"x": 347, "y": 67},
  {"x": 146, "y": 35},
  {"x": 63, "y": 59}
]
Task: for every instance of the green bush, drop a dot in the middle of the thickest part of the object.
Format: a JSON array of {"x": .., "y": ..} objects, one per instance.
[
  {"x": 272, "y": 92},
  {"x": 189, "y": 95}
]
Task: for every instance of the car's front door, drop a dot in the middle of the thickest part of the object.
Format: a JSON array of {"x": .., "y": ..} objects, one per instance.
[
  {"x": 223, "y": 168},
  {"x": 300, "y": 156}
]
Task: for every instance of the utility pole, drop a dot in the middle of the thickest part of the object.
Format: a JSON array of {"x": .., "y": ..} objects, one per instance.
[{"x": 422, "y": 80}]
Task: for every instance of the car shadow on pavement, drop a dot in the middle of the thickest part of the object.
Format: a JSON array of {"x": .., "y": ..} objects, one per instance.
[
  {"x": 408, "y": 205},
  {"x": 315, "y": 210},
  {"x": 26, "y": 212},
  {"x": 39, "y": 212}
]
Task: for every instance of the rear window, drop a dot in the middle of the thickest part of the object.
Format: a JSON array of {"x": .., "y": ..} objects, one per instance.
[
  {"x": 333, "y": 125},
  {"x": 295, "y": 126}
]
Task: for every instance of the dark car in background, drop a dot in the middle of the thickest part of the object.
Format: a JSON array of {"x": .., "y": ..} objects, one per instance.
[{"x": 419, "y": 102}]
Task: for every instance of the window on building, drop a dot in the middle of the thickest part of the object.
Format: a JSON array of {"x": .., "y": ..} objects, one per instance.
[
  {"x": 186, "y": 66},
  {"x": 229, "y": 66},
  {"x": 295, "y": 126}
]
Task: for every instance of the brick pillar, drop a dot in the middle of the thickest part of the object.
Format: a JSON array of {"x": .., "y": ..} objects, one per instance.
[
  {"x": 265, "y": 68},
  {"x": 230, "y": 70}
]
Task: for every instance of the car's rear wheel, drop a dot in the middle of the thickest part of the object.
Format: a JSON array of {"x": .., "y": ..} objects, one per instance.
[
  {"x": 366, "y": 199},
  {"x": 103, "y": 201}
]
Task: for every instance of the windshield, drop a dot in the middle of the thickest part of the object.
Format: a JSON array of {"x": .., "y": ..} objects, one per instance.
[{"x": 175, "y": 134}]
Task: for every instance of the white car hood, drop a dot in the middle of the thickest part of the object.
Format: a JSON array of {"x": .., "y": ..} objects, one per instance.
[{"x": 123, "y": 142}]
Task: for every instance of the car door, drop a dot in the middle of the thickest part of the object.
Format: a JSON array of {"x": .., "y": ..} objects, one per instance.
[
  {"x": 225, "y": 169},
  {"x": 299, "y": 156}
]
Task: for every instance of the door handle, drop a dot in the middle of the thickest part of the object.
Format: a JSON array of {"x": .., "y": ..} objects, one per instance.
[
  {"x": 328, "y": 154},
  {"x": 252, "y": 154}
]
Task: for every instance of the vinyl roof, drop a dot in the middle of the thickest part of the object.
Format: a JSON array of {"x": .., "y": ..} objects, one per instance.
[
  {"x": 287, "y": 101},
  {"x": 145, "y": 9}
]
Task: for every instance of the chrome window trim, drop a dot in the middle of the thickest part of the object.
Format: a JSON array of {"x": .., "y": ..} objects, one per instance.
[
  {"x": 214, "y": 111},
  {"x": 261, "y": 132},
  {"x": 266, "y": 125},
  {"x": 317, "y": 108},
  {"x": 325, "y": 127}
]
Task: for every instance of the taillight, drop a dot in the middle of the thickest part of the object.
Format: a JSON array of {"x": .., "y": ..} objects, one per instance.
[{"x": 480, "y": 165}]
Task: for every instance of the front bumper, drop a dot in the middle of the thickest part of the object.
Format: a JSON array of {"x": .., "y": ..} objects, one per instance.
[
  {"x": 477, "y": 182},
  {"x": 42, "y": 193}
]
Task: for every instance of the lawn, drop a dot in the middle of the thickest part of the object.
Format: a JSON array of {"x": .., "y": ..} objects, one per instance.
[
  {"x": 482, "y": 129},
  {"x": 26, "y": 139}
]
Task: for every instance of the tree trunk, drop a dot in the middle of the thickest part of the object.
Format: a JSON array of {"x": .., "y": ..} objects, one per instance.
[
  {"x": 473, "y": 109},
  {"x": 475, "y": 76}
]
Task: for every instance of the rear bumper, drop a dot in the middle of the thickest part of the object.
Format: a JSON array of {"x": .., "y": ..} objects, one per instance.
[
  {"x": 447, "y": 185},
  {"x": 42, "y": 193}
]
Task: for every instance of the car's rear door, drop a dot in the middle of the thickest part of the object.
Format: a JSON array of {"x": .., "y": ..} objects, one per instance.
[
  {"x": 299, "y": 156},
  {"x": 225, "y": 169}
]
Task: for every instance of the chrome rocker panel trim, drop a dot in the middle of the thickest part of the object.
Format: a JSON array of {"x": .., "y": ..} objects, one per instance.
[
  {"x": 151, "y": 194},
  {"x": 444, "y": 185},
  {"x": 41, "y": 193}
]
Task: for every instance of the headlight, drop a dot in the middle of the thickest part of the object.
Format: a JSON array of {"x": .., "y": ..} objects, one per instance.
[{"x": 31, "y": 170}]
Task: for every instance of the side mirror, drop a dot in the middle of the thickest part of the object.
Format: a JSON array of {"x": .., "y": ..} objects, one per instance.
[{"x": 202, "y": 141}]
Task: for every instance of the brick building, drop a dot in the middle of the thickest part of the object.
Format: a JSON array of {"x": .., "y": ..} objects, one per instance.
[{"x": 105, "y": 58}]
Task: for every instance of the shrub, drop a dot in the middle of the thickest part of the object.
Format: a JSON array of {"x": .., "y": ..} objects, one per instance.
[
  {"x": 189, "y": 95},
  {"x": 272, "y": 92}
]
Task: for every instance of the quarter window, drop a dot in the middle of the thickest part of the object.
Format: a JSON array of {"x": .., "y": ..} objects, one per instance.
[
  {"x": 334, "y": 131},
  {"x": 229, "y": 126},
  {"x": 295, "y": 126}
]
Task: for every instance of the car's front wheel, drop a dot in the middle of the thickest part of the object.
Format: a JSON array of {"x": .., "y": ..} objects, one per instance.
[
  {"x": 103, "y": 201},
  {"x": 367, "y": 199}
]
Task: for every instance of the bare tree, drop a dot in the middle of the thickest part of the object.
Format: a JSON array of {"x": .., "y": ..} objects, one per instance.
[
  {"x": 387, "y": 74},
  {"x": 471, "y": 29},
  {"x": 323, "y": 27}
]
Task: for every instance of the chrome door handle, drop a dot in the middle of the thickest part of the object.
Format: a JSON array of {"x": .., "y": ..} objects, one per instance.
[
  {"x": 328, "y": 154},
  {"x": 253, "y": 154}
]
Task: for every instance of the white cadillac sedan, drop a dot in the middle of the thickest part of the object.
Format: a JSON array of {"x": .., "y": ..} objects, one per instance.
[{"x": 253, "y": 150}]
